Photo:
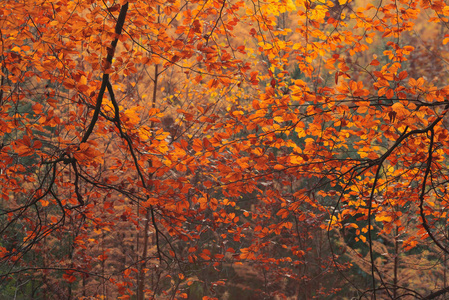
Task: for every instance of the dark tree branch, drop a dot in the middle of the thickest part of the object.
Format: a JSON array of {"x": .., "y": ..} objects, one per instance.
[
  {"x": 105, "y": 82},
  {"x": 423, "y": 192}
]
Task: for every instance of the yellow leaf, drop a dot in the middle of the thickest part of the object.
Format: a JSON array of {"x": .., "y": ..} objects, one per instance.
[
  {"x": 83, "y": 80},
  {"x": 383, "y": 218},
  {"x": 290, "y": 5},
  {"x": 279, "y": 119}
]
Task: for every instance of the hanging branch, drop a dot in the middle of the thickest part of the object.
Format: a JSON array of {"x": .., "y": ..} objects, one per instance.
[{"x": 107, "y": 65}]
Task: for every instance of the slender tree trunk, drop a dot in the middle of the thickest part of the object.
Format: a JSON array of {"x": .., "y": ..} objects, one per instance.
[
  {"x": 143, "y": 263},
  {"x": 84, "y": 286},
  {"x": 148, "y": 216},
  {"x": 396, "y": 263},
  {"x": 445, "y": 266}
]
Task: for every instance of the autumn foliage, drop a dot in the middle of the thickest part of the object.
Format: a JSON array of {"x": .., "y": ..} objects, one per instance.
[{"x": 224, "y": 149}]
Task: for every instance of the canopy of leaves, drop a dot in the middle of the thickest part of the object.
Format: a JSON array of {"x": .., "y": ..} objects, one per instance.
[{"x": 224, "y": 149}]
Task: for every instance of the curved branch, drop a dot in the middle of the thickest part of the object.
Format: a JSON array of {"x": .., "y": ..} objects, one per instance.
[
  {"x": 436, "y": 294},
  {"x": 423, "y": 191}
]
